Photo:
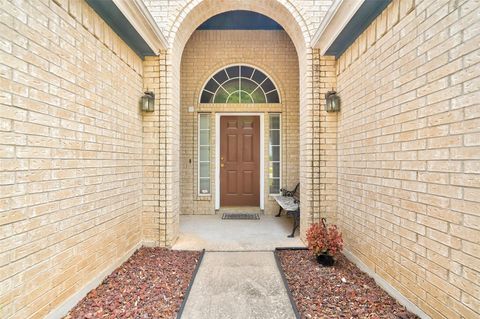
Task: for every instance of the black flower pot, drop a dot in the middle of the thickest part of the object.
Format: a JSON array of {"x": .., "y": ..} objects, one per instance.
[{"x": 325, "y": 260}]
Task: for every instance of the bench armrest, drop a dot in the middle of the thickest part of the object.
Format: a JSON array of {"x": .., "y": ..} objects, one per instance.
[{"x": 286, "y": 193}]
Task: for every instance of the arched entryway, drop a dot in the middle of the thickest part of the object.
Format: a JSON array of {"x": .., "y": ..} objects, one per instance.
[{"x": 189, "y": 18}]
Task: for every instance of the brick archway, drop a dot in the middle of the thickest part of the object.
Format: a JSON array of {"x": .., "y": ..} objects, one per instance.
[
  {"x": 192, "y": 14},
  {"x": 195, "y": 12}
]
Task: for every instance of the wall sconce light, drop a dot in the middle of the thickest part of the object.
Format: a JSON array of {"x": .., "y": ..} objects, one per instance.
[
  {"x": 333, "y": 101},
  {"x": 148, "y": 102}
]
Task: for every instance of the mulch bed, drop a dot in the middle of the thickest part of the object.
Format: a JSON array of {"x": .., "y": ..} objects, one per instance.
[
  {"x": 150, "y": 284},
  {"x": 341, "y": 291}
]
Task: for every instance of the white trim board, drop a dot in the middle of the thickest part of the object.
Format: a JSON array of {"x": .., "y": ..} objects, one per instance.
[
  {"x": 217, "y": 155},
  {"x": 68, "y": 304},
  {"x": 394, "y": 293},
  {"x": 138, "y": 15},
  {"x": 337, "y": 17}
]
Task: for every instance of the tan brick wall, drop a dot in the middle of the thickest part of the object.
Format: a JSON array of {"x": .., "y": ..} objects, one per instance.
[
  {"x": 70, "y": 152},
  {"x": 205, "y": 53},
  {"x": 408, "y": 152}
]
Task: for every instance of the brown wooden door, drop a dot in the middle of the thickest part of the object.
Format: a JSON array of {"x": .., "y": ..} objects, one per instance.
[{"x": 240, "y": 161}]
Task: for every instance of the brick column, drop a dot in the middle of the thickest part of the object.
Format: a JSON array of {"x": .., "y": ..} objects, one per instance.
[
  {"x": 160, "y": 138},
  {"x": 306, "y": 141},
  {"x": 318, "y": 159},
  {"x": 325, "y": 138}
]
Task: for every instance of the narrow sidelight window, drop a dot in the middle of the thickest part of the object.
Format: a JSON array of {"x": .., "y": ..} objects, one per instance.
[
  {"x": 274, "y": 151},
  {"x": 204, "y": 154}
]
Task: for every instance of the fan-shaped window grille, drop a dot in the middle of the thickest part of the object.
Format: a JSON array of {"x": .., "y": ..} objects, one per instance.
[{"x": 240, "y": 84}]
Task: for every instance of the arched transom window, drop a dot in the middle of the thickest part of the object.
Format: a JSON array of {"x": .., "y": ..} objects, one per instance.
[{"x": 240, "y": 84}]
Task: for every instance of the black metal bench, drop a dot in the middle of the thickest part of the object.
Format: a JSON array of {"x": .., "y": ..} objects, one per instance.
[{"x": 289, "y": 201}]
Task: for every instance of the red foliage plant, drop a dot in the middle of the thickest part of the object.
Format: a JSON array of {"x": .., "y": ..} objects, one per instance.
[{"x": 324, "y": 240}]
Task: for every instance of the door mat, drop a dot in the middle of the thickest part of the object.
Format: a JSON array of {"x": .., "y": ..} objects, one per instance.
[{"x": 241, "y": 216}]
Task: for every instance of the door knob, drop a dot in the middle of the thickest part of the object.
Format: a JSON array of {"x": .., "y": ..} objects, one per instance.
[{"x": 222, "y": 165}]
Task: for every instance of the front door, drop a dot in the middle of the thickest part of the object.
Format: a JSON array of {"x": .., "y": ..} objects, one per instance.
[{"x": 240, "y": 161}]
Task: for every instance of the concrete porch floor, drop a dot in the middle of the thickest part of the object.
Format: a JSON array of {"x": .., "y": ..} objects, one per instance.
[{"x": 212, "y": 233}]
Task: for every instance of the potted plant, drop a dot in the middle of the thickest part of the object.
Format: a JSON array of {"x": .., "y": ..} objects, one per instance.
[{"x": 325, "y": 242}]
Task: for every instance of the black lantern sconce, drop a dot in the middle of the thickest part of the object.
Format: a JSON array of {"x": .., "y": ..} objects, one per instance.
[
  {"x": 148, "y": 102},
  {"x": 333, "y": 101}
]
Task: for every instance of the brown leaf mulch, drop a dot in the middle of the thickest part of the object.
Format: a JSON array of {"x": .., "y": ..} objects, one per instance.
[
  {"x": 320, "y": 292},
  {"x": 150, "y": 284}
]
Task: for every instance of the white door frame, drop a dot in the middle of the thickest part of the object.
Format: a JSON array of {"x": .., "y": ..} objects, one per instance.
[{"x": 217, "y": 155}]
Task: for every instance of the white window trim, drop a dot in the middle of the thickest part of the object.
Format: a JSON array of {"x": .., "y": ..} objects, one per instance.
[
  {"x": 198, "y": 154},
  {"x": 217, "y": 155},
  {"x": 280, "y": 150}
]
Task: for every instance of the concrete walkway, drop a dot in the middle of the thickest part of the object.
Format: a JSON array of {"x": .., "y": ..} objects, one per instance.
[
  {"x": 211, "y": 232},
  {"x": 238, "y": 285}
]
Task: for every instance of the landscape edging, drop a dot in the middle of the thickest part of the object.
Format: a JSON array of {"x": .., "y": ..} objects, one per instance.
[
  {"x": 189, "y": 288},
  {"x": 284, "y": 279}
]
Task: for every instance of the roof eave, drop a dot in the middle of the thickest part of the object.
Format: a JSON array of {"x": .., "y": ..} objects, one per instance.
[
  {"x": 138, "y": 15},
  {"x": 344, "y": 22},
  {"x": 133, "y": 23}
]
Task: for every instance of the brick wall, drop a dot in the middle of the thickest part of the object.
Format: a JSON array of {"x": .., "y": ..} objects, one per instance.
[
  {"x": 409, "y": 152},
  {"x": 70, "y": 152},
  {"x": 205, "y": 53}
]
